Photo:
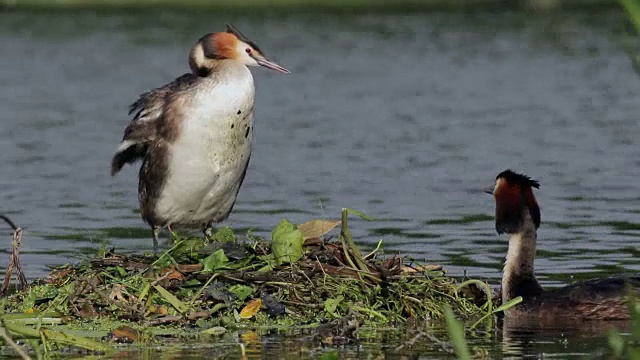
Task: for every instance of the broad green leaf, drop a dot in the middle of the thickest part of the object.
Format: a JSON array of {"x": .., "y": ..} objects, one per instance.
[
  {"x": 241, "y": 291},
  {"x": 316, "y": 228},
  {"x": 286, "y": 243},
  {"x": 224, "y": 235},
  {"x": 215, "y": 261},
  {"x": 188, "y": 248},
  {"x": 171, "y": 299},
  {"x": 331, "y": 304}
]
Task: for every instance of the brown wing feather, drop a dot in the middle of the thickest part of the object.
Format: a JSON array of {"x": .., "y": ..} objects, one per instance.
[
  {"x": 601, "y": 299},
  {"x": 143, "y": 128}
]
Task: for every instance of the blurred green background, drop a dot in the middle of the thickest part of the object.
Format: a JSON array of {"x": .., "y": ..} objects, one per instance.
[{"x": 538, "y": 5}]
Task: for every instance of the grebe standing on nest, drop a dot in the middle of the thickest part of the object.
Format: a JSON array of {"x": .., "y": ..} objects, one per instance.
[
  {"x": 194, "y": 135},
  {"x": 518, "y": 214}
]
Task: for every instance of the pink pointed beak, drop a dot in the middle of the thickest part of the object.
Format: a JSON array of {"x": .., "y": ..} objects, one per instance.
[{"x": 271, "y": 65}]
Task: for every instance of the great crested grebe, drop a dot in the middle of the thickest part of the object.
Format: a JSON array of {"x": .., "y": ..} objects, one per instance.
[
  {"x": 194, "y": 135},
  {"x": 518, "y": 215}
]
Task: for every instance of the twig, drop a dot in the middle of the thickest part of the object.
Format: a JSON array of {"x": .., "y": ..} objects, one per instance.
[
  {"x": 13, "y": 225},
  {"x": 410, "y": 342},
  {"x": 14, "y": 260},
  {"x": 307, "y": 277},
  {"x": 371, "y": 254},
  {"x": 294, "y": 303},
  {"x": 348, "y": 243},
  {"x": 160, "y": 278},
  {"x": 445, "y": 346},
  {"x": 197, "y": 294},
  {"x": 108, "y": 299},
  {"x": 165, "y": 320},
  {"x": 192, "y": 316},
  {"x": 344, "y": 233}
]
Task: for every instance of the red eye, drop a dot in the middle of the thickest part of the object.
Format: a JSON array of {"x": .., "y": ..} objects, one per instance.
[{"x": 248, "y": 50}]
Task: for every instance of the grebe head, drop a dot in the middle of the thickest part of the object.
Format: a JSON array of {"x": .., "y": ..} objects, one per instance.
[
  {"x": 513, "y": 195},
  {"x": 230, "y": 45}
]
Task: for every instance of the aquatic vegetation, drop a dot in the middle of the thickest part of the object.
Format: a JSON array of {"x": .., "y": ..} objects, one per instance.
[
  {"x": 628, "y": 346},
  {"x": 301, "y": 278},
  {"x": 632, "y": 7}
]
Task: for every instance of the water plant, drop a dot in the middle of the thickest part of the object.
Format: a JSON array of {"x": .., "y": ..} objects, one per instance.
[
  {"x": 302, "y": 278},
  {"x": 628, "y": 346}
]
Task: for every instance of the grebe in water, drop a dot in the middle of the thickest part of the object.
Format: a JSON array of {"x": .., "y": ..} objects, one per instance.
[{"x": 518, "y": 215}]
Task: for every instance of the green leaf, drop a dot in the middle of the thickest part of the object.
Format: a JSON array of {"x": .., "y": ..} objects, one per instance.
[
  {"x": 286, "y": 243},
  {"x": 617, "y": 343},
  {"x": 188, "y": 248},
  {"x": 633, "y": 10},
  {"x": 58, "y": 337},
  {"x": 265, "y": 268},
  {"x": 224, "y": 235},
  {"x": 270, "y": 262},
  {"x": 634, "y": 354},
  {"x": 215, "y": 261},
  {"x": 330, "y": 355},
  {"x": 241, "y": 291},
  {"x": 508, "y": 305},
  {"x": 634, "y": 310},
  {"x": 171, "y": 299},
  {"x": 216, "y": 330},
  {"x": 330, "y": 305},
  {"x": 240, "y": 263},
  {"x": 144, "y": 292},
  {"x": 456, "y": 334},
  {"x": 359, "y": 214},
  {"x": 121, "y": 271}
]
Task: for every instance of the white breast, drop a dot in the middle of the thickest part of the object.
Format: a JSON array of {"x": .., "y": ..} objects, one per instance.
[{"x": 208, "y": 160}]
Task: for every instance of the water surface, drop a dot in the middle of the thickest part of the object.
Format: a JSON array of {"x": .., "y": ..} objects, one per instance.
[{"x": 404, "y": 117}]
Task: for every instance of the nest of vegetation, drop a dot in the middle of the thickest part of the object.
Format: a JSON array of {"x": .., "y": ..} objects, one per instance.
[{"x": 301, "y": 278}]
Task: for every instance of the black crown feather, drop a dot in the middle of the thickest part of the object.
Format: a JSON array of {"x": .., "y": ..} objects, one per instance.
[
  {"x": 518, "y": 179},
  {"x": 233, "y": 30}
]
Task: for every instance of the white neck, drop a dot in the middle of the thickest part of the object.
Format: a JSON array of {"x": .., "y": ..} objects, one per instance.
[{"x": 518, "y": 277}]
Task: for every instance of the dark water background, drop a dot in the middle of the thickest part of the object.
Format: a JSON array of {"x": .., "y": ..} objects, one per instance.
[{"x": 402, "y": 116}]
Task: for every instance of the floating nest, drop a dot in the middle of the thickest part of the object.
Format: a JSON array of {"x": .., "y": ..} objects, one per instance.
[{"x": 303, "y": 277}]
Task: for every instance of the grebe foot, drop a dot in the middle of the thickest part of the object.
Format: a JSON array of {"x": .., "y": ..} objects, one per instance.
[{"x": 156, "y": 233}]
